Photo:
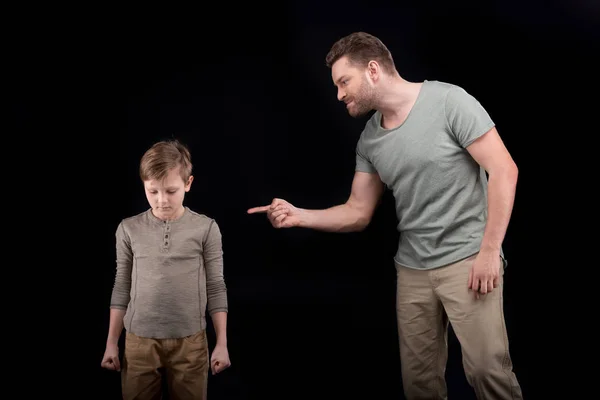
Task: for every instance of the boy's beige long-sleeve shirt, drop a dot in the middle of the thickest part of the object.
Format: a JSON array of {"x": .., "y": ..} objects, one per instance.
[{"x": 169, "y": 274}]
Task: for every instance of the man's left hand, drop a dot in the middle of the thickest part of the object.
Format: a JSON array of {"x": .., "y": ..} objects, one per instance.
[{"x": 485, "y": 273}]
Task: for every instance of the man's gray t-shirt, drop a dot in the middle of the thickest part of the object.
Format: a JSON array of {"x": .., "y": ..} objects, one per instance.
[{"x": 440, "y": 190}]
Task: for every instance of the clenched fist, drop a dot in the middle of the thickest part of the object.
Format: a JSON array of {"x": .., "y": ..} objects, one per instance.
[
  {"x": 219, "y": 359},
  {"x": 111, "y": 358}
]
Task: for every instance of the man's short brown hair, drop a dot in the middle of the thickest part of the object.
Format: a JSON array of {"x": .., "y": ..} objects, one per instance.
[
  {"x": 360, "y": 48},
  {"x": 162, "y": 157}
]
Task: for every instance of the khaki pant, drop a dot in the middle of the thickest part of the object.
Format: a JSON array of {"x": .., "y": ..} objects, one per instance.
[
  {"x": 185, "y": 364},
  {"x": 426, "y": 302}
]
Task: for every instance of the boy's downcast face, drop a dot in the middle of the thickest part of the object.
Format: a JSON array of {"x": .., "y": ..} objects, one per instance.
[{"x": 166, "y": 196}]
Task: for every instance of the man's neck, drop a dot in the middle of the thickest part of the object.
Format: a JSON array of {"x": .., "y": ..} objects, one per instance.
[{"x": 396, "y": 101}]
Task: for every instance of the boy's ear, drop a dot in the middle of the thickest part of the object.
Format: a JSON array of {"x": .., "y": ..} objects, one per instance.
[{"x": 189, "y": 183}]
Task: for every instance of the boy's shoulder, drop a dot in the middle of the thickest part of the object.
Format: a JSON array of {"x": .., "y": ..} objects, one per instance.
[
  {"x": 135, "y": 219},
  {"x": 200, "y": 220},
  {"x": 196, "y": 216}
]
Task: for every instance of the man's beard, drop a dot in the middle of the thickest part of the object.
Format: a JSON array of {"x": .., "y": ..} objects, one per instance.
[
  {"x": 363, "y": 102},
  {"x": 359, "y": 109}
]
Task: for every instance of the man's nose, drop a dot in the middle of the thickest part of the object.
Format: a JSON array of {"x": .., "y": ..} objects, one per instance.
[{"x": 341, "y": 95}]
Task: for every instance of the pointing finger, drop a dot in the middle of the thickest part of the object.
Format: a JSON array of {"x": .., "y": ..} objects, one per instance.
[{"x": 262, "y": 209}]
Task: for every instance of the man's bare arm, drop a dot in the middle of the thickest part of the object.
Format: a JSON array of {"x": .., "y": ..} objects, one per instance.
[
  {"x": 489, "y": 151},
  {"x": 354, "y": 215}
]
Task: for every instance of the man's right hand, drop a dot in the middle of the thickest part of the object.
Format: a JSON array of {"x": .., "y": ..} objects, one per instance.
[
  {"x": 281, "y": 213},
  {"x": 111, "y": 358}
]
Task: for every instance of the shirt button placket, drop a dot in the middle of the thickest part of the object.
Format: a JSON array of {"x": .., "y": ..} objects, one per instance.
[{"x": 166, "y": 237}]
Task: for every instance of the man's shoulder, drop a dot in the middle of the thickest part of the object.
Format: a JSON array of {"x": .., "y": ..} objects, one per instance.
[
  {"x": 439, "y": 89},
  {"x": 446, "y": 90},
  {"x": 439, "y": 84}
]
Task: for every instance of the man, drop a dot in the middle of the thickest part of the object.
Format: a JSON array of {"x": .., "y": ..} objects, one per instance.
[{"x": 431, "y": 143}]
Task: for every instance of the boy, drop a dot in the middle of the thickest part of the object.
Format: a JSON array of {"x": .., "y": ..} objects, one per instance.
[{"x": 169, "y": 273}]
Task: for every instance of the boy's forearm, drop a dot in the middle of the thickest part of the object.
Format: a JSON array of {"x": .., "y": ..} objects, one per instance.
[
  {"x": 219, "y": 319},
  {"x": 341, "y": 218},
  {"x": 115, "y": 327}
]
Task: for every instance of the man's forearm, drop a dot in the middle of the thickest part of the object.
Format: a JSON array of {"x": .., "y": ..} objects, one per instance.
[
  {"x": 115, "y": 327},
  {"x": 341, "y": 218},
  {"x": 501, "y": 196},
  {"x": 219, "y": 319}
]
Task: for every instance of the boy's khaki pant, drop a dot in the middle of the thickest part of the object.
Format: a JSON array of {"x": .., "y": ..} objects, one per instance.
[
  {"x": 426, "y": 302},
  {"x": 185, "y": 363}
]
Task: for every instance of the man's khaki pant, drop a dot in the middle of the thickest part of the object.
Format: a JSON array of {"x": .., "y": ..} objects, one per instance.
[
  {"x": 426, "y": 302},
  {"x": 184, "y": 361}
]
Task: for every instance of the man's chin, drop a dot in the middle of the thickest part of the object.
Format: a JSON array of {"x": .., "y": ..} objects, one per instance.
[{"x": 357, "y": 113}]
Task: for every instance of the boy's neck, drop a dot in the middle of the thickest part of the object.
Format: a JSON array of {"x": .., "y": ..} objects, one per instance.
[{"x": 175, "y": 217}]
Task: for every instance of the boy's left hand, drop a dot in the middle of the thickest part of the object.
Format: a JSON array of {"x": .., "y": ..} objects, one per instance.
[{"x": 219, "y": 359}]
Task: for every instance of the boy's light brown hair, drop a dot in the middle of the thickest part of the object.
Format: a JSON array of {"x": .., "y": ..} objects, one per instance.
[
  {"x": 162, "y": 157},
  {"x": 360, "y": 48}
]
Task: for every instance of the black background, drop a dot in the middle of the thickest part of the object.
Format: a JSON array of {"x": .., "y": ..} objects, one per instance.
[{"x": 245, "y": 86}]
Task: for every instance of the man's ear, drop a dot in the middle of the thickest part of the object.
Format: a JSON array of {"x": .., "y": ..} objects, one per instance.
[{"x": 374, "y": 70}]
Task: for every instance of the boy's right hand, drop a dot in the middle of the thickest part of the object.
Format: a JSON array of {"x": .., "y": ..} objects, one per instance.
[{"x": 111, "y": 358}]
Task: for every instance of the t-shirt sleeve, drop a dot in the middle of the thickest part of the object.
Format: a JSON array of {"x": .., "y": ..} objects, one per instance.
[
  {"x": 362, "y": 162},
  {"x": 466, "y": 117}
]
